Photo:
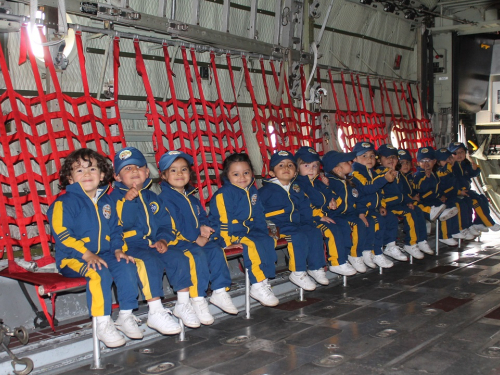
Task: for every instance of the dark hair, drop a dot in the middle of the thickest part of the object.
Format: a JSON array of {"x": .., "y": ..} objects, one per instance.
[
  {"x": 347, "y": 179},
  {"x": 85, "y": 154},
  {"x": 192, "y": 174},
  {"x": 235, "y": 158}
]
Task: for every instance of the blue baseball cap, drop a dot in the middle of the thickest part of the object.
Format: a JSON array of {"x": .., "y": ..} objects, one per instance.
[
  {"x": 128, "y": 156},
  {"x": 387, "y": 150},
  {"x": 307, "y": 154},
  {"x": 404, "y": 155},
  {"x": 361, "y": 148},
  {"x": 443, "y": 154},
  {"x": 332, "y": 158},
  {"x": 426, "y": 153},
  {"x": 169, "y": 157},
  {"x": 279, "y": 156},
  {"x": 455, "y": 146}
]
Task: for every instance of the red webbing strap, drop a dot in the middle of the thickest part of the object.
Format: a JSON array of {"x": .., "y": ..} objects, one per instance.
[
  {"x": 50, "y": 317},
  {"x": 424, "y": 123},
  {"x": 238, "y": 147},
  {"x": 308, "y": 121},
  {"x": 19, "y": 139}
]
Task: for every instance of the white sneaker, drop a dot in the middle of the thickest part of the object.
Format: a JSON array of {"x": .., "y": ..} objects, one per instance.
[
  {"x": 224, "y": 302},
  {"x": 481, "y": 228},
  {"x": 395, "y": 252},
  {"x": 474, "y": 231},
  {"x": 128, "y": 325},
  {"x": 448, "y": 213},
  {"x": 357, "y": 263},
  {"x": 200, "y": 307},
  {"x": 368, "y": 259},
  {"x": 459, "y": 236},
  {"x": 436, "y": 211},
  {"x": 302, "y": 280},
  {"x": 382, "y": 261},
  {"x": 424, "y": 247},
  {"x": 185, "y": 312},
  {"x": 344, "y": 269},
  {"x": 467, "y": 235},
  {"x": 319, "y": 276},
  {"x": 263, "y": 293},
  {"x": 414, "y": 251},
  {"x": 108, "y": 334},
  {"x": 495, "y": 228},
  {"x": 449, "y": 241},
  {"x": 163, "y": 322}
]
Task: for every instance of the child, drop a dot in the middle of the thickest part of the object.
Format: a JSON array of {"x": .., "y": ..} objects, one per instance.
[
  {"x": 337, "y": 166},
  {"x": 237, "y": 217},
  {"x": 465, "y": 170},
  {"x": 88, "y": 239},
  {"x": 431, "y": 213},
  {"x": 398, "y": 204},
  {"x": 336, "y": 234},
  {"x": 192, "y": 224},
  {"x": 451, "y": 195},
  {"x": 426, "y": 183},
  {"x": 147, "y": 232},
  {"x": 369, "y": 184}
]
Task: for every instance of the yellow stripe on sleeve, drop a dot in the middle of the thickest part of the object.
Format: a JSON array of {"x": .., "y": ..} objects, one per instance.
[
  {"x": 61, "y": 231},
  {"x": 221, "y": 207}
]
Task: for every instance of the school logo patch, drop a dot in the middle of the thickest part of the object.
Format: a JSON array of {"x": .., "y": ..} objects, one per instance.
[
  {"x": 254, "y": 199},
  {"x": 312, "y": 151},
  {"x": 283, "y": 153},
  {"x": 173, "y": 153},
  {"x": 424, "y": 150},
  {"x": 154, "y": 207},
  {"x": 457, "y": 143},
  {"x": 355, "y": 193},
  {"x": 443, "y": 150},
  {"x": 125, "y": 154},
  {"x": 106, "y": 211},
  {"x": 390, "y": 147},
  {"x": 366, "y": 144},
  {"x": 402, "y": 152},
  {"x": 296, "y": 188}
]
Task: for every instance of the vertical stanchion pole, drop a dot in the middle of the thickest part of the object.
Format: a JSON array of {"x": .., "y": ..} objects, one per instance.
[
  {"x": 247, "y": 294},
  {"x": 182, "y": 335},
  {"x": 301, "y": 295},
  {"x": 437, "y": 236},
  {"x": 380, "y": 270},
  {"x": 345, "y": 280},
  {"x": 411, "y": 259},
  {"x": 96, "y": 364},
  {"x": 459, "y": 243}
]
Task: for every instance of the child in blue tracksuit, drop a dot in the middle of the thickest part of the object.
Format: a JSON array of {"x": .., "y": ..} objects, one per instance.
[
  {"x": 194, "y": 231},
  {"x": 400, "y": 204},
  {"x": 382, "y": 229},
  {"x": 465, "y": 170},
  {"x": 337, "y": 234},
  {"x": 147, "y": 233},
  {"x": 237, "y": 217},
  {"x": 426, "y": 185},
  {"x": 84, "y": 223},
  {"x": 337, "y": 167},
  {"x": 452, "y": 195}
]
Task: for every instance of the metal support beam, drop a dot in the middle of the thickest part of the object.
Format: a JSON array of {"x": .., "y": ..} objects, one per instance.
[
  {"x": 277, "y": 22},
  {"x": 162, "y": 8},
  {"x": 195, "y": 19},
  {"x": 478, "y": 28},
  {"x": 226, "y": 12},
  {"x": 253, "y": 19}
]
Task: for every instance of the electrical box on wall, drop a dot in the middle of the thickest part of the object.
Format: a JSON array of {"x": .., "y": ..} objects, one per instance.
[
  {"x": 439, "y": 63},
  {"x": 495, "y": 100}
]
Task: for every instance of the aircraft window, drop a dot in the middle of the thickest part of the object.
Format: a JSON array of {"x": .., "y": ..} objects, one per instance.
[
  {"x": 394, "y": 138},
  {"x": 340, "y": 137},
  {"x": 272, "y": 135}
]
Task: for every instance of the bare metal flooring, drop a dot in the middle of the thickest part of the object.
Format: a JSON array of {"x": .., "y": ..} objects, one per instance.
[{"x": 440, "y": 315}]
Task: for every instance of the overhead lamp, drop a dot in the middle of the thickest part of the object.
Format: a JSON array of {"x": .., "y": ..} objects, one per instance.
[
  {"x": 366, "y": 2},
  {"x": 410, "y": 14},
  {"x": 389, "y": 7}
]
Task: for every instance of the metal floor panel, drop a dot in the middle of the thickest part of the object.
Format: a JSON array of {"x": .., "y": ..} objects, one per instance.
[{"x": 410, "y": 320}]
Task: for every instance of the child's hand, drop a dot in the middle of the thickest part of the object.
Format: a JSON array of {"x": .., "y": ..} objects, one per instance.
[
  {"x": 121, "y": 255},
  {"x": 201, "y": 241},
  {"x": 363, "y": 219},
  {"x": 327, "y": 219},
  {"x": 383, "y": 211},
  {"x": 472, "y": 162},
  {"x": 206, "y": 231},
  {"x": 463, "y": 193},
  {"x": 411, "y": 206},
  {"x": 391, "y": 175},
  {"x": 132, "y": 193},
  {"x": 443, "y": 199},
  {"x": 332, "y": 205},
  {"x": 161, "y": 246},
  {"x": 416, "y": 197},
  {"x": 324, "y": 179},
  {"x": 233, "y": 246},
  {"x": 94, "y": 260}
]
